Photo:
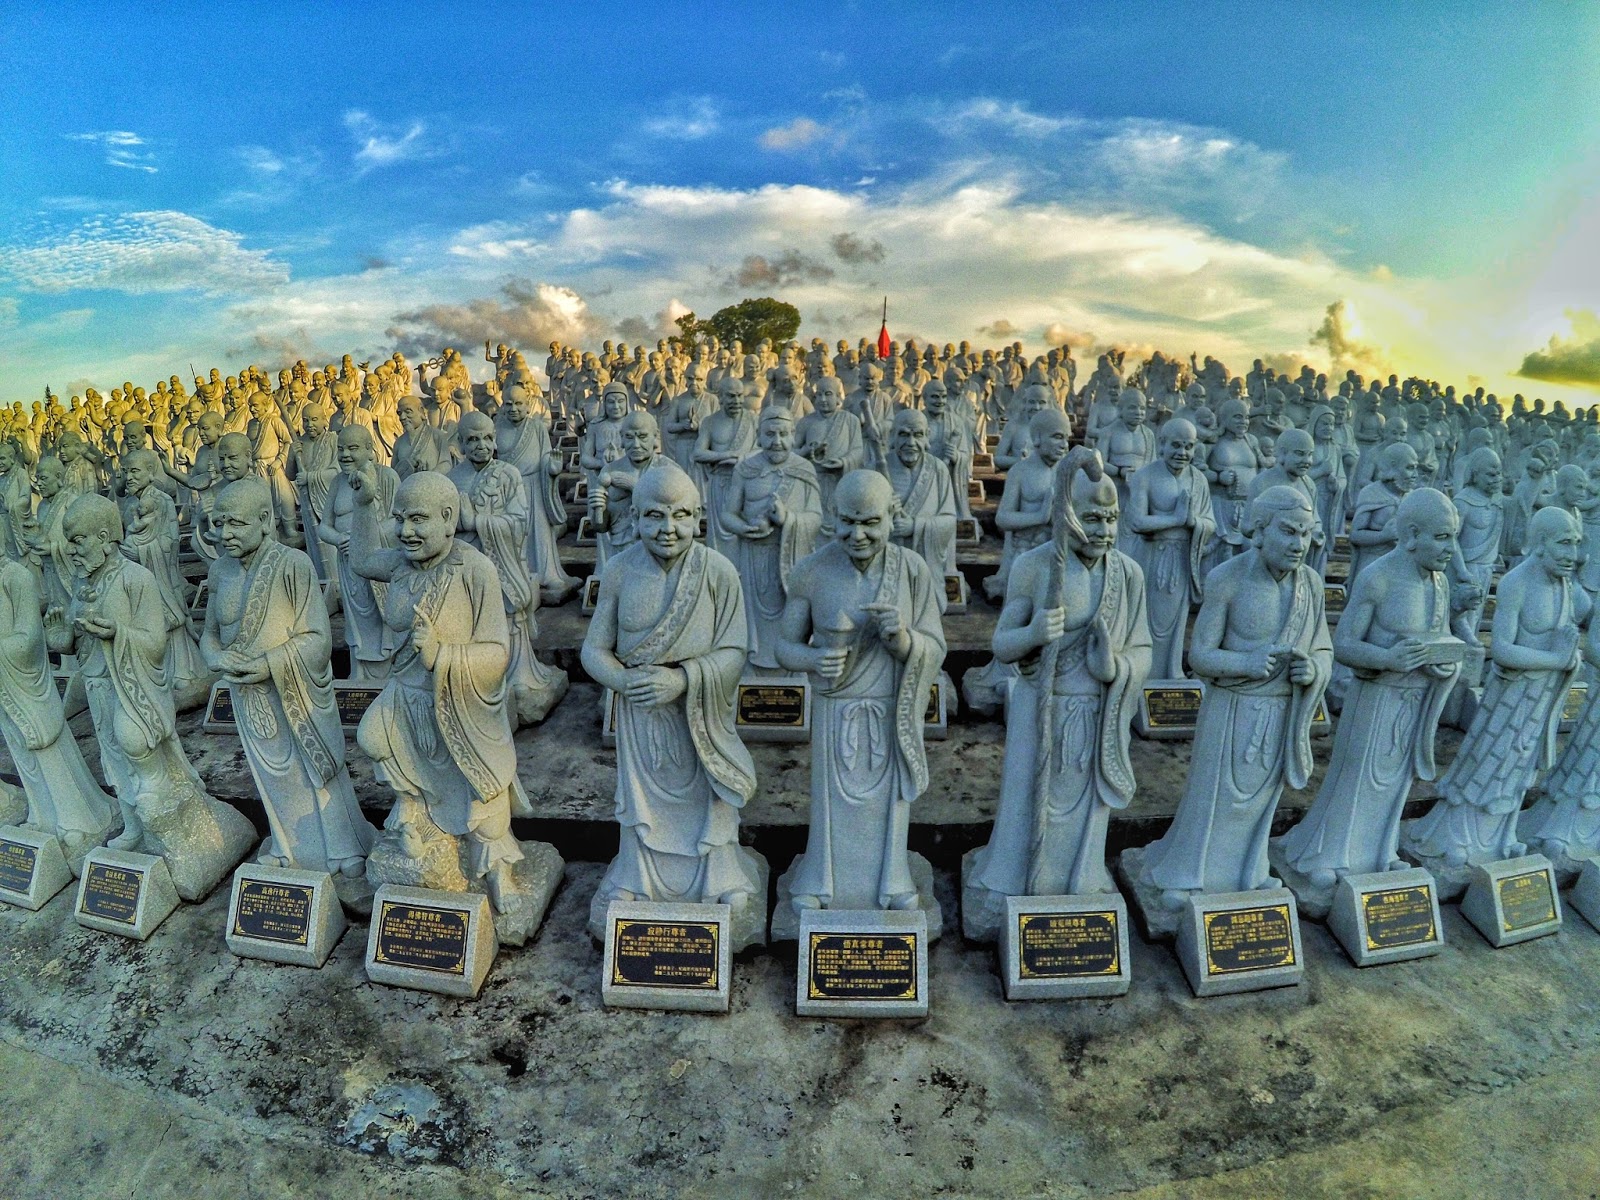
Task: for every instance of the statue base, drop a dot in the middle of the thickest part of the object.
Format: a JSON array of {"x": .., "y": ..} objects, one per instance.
[
  {"x": 1568, "y": 861},
  {"x": 862, "y": 963},
  {"x": 280, "y": 914},
  {"x": 1314, "y": 901},
  {"x": 672, "y": 957},
  {"x": 1514, "y": 900},
  {"x": 432, "y": 941},
  {"x": 1240, "y": 942},
  {"x": 1157, "y": 922},
  {"x": 32, "y": 867},
  {"x": 747, "y": 917},
  {"x": 1387, "y": 916},
  {"x": 13, "y": 804},
  {"x": 955, "y": 594},
  {"x": 1585, "y": 895},
  {"x": 201, "y": 841},
  {"x": 1452, "y": 878},
  {"x": 526, "y": 894},
  {"x": 124, "y": 893},
  {"x": 985, "y": 688},
  {"x": 531, "y": 705},
  {"x": 1065, "y": 947},
  {"x": 786, "y": 921},
  {"x": 985, "y": 915}
]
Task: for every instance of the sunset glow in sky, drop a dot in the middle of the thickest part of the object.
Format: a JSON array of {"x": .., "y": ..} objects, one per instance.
[{"x": 1412, "y": 188}]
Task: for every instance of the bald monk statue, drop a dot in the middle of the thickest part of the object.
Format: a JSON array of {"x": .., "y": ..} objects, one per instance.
[{"x": 361, "y": 597}]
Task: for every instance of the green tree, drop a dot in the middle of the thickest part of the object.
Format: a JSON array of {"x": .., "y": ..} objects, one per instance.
[{"x": 749, "y": 321}]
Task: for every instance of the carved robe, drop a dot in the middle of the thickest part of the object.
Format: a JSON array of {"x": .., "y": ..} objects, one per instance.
[
  {"x": 764, "y": 563},
  {"x": 1174, "y": 563},
  {"x": 526, "y": 446},
  {"x": 928, "y": 502}
]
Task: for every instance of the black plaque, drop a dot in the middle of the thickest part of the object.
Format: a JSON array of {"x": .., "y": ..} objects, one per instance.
[
  {"x": 676, "y": 955},
  {"x": 1398, "y": 917},
  {"x": 952, "y": 589},
  {"x": 1574, "y": 702},
  {"x": 1333, "y": 597},
  {"x": 1249, "y": 939},
  {"x": 967, "y": 529},
  {"x": 1068, "y": 945},
  {"x": 771, "y": 706},
  {"x": 591, "y": 591},
  {"x": 1172, "y": 708},
  {"x": 423, "y": 938},
  {"x": 931, "y": 717},
  {"x": 221, "y": 712},
  {"x": 975, "y": 489},
  {"x": 1526, "y": 900},
  {"x": 863, "y": 966},
  {"x": 353, "y": 703},
  {"x": 273, "y": 912},
  {"x": 111, "y": 893},
  {"x": 17, "y": 860}
]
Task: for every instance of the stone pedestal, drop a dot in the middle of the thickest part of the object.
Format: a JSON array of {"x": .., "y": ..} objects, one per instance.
[
  {"x": 863, "y": 963},
  {"x": 124, "y": 893},
  {"x": 747, "y": 921},
  {"x": 786, "y": 922},
  {"x": 432, "y": 941},
  {"x": 772, "y": 706},
  {"x": 1585, "y": 895},
  {"x": 283, "y": 915},
  {"x": 1168, "y": 709},
  {"x": 201, "y": 842},
  {"x": 1513, "y": 900},
  {"x": 32, "y": 867},
  {"x": 1064, "y": 947},
  {"x": 677, "y": 957},
  {"x": 13, "y": 804},
  {"x": 1386, "y": 916},
  {"x": 1241, "y": 942}
]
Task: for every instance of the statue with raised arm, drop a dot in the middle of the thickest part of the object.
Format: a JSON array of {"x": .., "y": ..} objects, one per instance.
[
  {"x": 1261, "y": 645},
  {"x": 1074, "y": 623},
  {"x": 1169, "y": 511},
  {"x": 267, "y": 635},
  {"x": 669, "y": 638},
  {"x": 117, "y": 625},
  {"x": 862, "y": 617}
]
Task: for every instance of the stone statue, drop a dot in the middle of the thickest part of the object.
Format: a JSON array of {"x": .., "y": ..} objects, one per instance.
[
  {"x": 117, "y": 624},
  {"x": 1128, "y": 445},
  {"x": 951, "y": 441},
  {"x": 1016, "y": 440},
  {"x": 611, "y": 498},
  {"x": 361, "y": 597},
  {"x": 831, "y": 438},
  {"x": 669, "y": 638},
  {"x": 1261, "y": 645},
  {"x": 1372, "y": 528},
  {"x": 1024, "y": 513},
  {"x": 439, "y": 734},
  {"x": 1074, "y": 623},
  {"x": 63, "y": 798},
  {"x": 1170, "y": 514},
  {"x": 421, "y": 445},
  {"x": 1394, "y": 634},
  {"x": 773, "y": 514},
  {"x": 1565, "y": 824},
  {"x": 863, "y": 619},
  {"x": 267, "y": 635},
  {"x": 1534, "y": 649},
  {"x": 1480, "y": 507},
  {"x": 493, "y": 518},
  {"x": 682, "y": 416},
  {"x": 1232, "y": 463},
  {"x": 522, "y": 438},
  {"x": 725, "y": 438},
  {"x": 925, "y": 507}
]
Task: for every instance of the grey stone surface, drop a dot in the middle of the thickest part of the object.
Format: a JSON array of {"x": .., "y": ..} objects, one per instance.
[
  {"x": 37, "y": 856},
  {"x": 1415, "y": 932},
  {"x": 1505, "y": 899},
  {"x": 704, "y": 988},
  {"x": 303, "y": 925},
  {"x": 747, "y": 921},
  {"x": 864, "y": 925},
  {"x": 457, "y": 969},
  {"x": 1584, "y": 899},
  {"x": 1202, "y": 953},
  {"x": 141, "y": 879},
  {"x": 1081, "y": 969},
  {"x": 786, "y": 922}
]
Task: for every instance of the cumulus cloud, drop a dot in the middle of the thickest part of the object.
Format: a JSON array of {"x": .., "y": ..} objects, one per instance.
[
  {"x": 524, "y": 314},
  {"x": 852, "y": 249},
  {"x": 1058, "y": 334},
  {"x": 1571, "y": 360},
  {"x": 140, "y": 253},
  {"x": 1001, "y": 329},
  {"x": 788, "y": 268},
  {"x": 796, "y": 135},
  {"x": 1014, "y": 118},
  {"x": 496, "y": 240},
  {"x": 380, "y": 145},
  {"x": 1339, "y": 334},
  {"x": 686, "y": 120},
  {"x": 122, "y": 149}
]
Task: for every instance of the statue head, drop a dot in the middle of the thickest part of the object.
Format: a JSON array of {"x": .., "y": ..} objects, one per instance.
[
  {"x": 49, "y": 473},
  {"x": 1037, "y": 397},
  {"x": 1295, "y": 452},
  {"x": 475, "y": 435},
  {"x": 1177, "y": 444},
  {"x": 614, "y": 400},
  {"x": 355, "y": 448},
  {"x": 135, "y": 436},
  {"x": 139, "y": 470},
  {"x": 1282, "y": 523},
  {"x": 1484, "y": 471},
  {"x": 641, "y": 438},
  {"x": 410, "y": 414},
  {"x": 909, "y": 436},
  {"x": 1556, "y": 540},
  {"x": 934, "y": 397},
  {"x": 730, "y": 392},
  {"x": 93, "y": 529},
  {"x": 1083, "y": 505},
  {"x": 210, "y": 427},
  {"x": 235, "y": 456},
  {"x": 1321, "y": 423},
  {"x": 1235, "y": 417},
  {"x": 1051, "y": 431},
  {"x": 864, "y": 515},
  {"x": 829, "y": 395},
  {"x": 1397, "y": 466},
  {"x": 775, "y": 433},
  {"x": 8, "y": 455},
  {"x": 1572, "y": 485},
  {"x": 1130, "y": 408},
  {"x": 1427, "y": 524},
  {"x": 871, "y": 377},
  {"x": 425, "y": 506},
  {"x": 666, "y": 507},
  {"x": 243, "y": 518}
]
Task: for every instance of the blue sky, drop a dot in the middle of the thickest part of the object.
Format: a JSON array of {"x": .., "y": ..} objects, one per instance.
[{"x": 251, "y": 183}]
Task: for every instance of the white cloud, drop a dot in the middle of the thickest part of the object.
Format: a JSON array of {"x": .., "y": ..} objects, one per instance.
[
  {"x": 260, "y": 159},
  {"x": 9, "y": 307},
  {"x": 686, "y": 120},
  {"x": 796, "y": 135},
  {"x": 495, "y": 240},
  {"x": 1013, "y": 117},
  {"x": 140, "y": 253},
  {"x": 122, "y": 149},
  {"x": 379, "y": 145}
]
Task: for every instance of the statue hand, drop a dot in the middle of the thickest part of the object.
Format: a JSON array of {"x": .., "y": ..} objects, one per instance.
[
  {"x": 779, "y": 515},
  {"x": 424, "y": 639},
  {"x": 1301, "y": 670},
  {"x": 655, "y": 686},
  {"x": 902, "y": 527},
  {"x": 1101, "y": 664},
  {"x": 97, "y": 627},
  {"x": 55, "y": 618},
  {"x": 1262, "y": 662},
  {"x": 1047, "y": 626},
  {"x": 830, "y": 663},
  {"x": 1407, "y": 654}
]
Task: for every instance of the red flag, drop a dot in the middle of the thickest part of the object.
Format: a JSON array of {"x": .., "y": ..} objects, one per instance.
[{"x": 883, "y": 341}]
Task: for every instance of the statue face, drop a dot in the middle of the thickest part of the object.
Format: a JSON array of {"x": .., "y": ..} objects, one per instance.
[
  {"x": 1099, "y": 524},
  {"x": 1559, "y": 550},
  {"x": 88, "y": 546},
  {"x": 1322, "y": 431},
  {"x": 1177, "y": 451},
  {"x": 136, "y": 477},
  {"x": 910, "y": 441},
  {"x": 424, "y": 528},
  {"x": 314, "y": 421},
  {"x": 8, "y": 459},
  {"x": 134, "y": 437},
  {"x": 776, "y": 436},
  {"x": 1298, "y": 460},
  {"x": 935, "y": 399},
  {"x": 234, "y": 462},
  {"x": 638, "y": 443},
  {"x": 1432, "y": 542},
  {"x": 354, "y": 453},
  {"x": 733, "y": 403},
  {"x": 1054, "y": 447},
  {"x": 241, "y": 529},
  {"x": 1131, "y": 412},
  {"x": 478, "y": 445},
  {"x": 1489, "y": 478},
  {"x": 864, "y": 528},
  {"x": 47, "y": 478},
  {"x": 1286, "y": 540},
  {"x": 829, "y": 397},
  {"x": 1237, "y": 422},
  {"x": 667, "y": 521},
  {"x": 514, "y": 404},
  {"x": 409, "y": 411},
  {"x": 1573, "y": 489}
]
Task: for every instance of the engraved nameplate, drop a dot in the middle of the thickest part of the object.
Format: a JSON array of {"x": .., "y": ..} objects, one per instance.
[
  {"x": 111, "y": 893},
  {"x": 781, "y": 706},
  {"x": 1398, "y": 917},
  {"x": 672, "y": 954},
  {"x": 1248, "y": 939},
  {"x": 1526, "y": 900},
  {"x": 422, "y": 938},
  {"x": 273, "y": 912},
  {"x": 877, "y": 966},
  {"x": 17, "y": 863},
  {"x": 1067, "y": 945},
  {"x": 1333, "y": 597},
  {"x": 350, "y": 699},
  {"x": 952, "y": 589},
  {"x": 1173, "y": 708},
  {"x": 931, "y": 717}
]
